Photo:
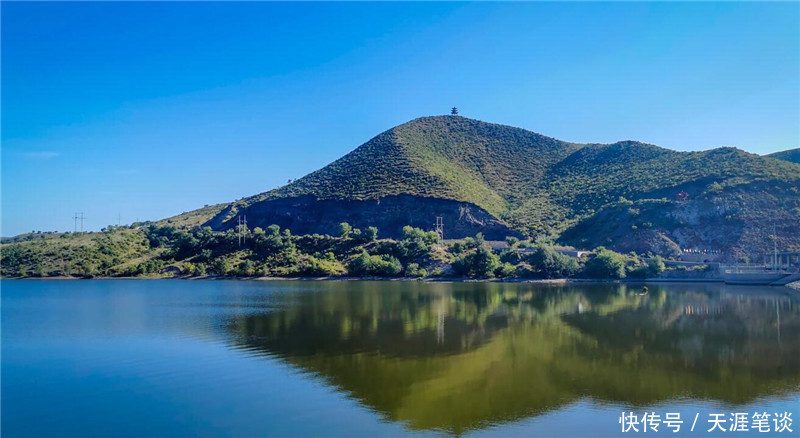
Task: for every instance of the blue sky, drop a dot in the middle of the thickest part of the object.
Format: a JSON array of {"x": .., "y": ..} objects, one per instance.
[{"x": 146, "y": 110}]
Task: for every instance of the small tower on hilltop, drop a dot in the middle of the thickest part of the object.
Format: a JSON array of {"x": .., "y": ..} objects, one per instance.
[{"x": 454, "y": 111}]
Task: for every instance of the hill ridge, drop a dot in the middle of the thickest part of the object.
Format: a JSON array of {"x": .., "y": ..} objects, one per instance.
[
  {"x": 791, "y": 155},
  {"x": 504, "y": 180}
]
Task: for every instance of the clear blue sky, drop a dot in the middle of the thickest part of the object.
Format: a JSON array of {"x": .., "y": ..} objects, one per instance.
[{"x": 150, "y": 109}]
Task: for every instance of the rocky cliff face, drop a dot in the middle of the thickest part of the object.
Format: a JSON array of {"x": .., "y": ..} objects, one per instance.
[
  {"x": 501, "y": 180},
  {"x": 307, "y": 215},
  {"x": 736, "y": 222}
]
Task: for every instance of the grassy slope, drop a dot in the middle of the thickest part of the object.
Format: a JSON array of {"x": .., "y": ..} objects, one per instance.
[
  {"x": 599, "y": 174},
  {"x": 528, "y": 180},
  {"x": 193, "y": 218},
  {"x": 78, "y": 253},
  {"x": 441, "y": 157},
  {"x": 792, "y": 155},
  {"x": 534, "y": 182}
]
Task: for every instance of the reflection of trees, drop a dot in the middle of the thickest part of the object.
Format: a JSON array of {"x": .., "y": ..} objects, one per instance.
[{"x": 465, "y": 355}]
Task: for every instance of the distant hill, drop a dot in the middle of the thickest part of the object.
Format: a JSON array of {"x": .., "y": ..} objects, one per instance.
[
  {"x": 792, "y": 155},
  {"x": 502, "y": 180}
]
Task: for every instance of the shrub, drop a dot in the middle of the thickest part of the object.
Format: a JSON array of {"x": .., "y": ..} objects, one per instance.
[
  {"x": 416, "y": 243},
  {"x": 313, "y": 266},
  {"x": 606, "y": 264},
  {"x": 506, "y": 270},
  {"x": 344, "y": 230},
  {"x": 525, "y": 270},
  {"x": 370, "y": 234},
  {"x": 548, "y": 263},
  {"x": 655, "y": 266},
  {"x": 413, "y": 270},
  {"x": 246, "y": 268},
  {"x": 366, "y": 264},
  {"x": 649, "y": 269},
  {"x": 482, "y": 263},
  {"x": 221, "y": 267}
]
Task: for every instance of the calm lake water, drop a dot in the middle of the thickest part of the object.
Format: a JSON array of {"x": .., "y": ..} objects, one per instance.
[{"x": 338, "y": 358}]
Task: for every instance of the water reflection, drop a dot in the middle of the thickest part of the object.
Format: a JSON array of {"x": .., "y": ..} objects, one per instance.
[{"x": 462, "y": 356}]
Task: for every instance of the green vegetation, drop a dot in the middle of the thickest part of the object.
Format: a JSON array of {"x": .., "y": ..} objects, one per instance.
[
  {"x": 547, "y": 263},
  {"x": 153, "y": 250},
  {"x": 481, "y": 263},
  {"x": 501, "y": 180},
  {"x": 548, "y": 190},
  {"x": 457, "y": 357},
  {"x": 606, "y": 264},
  {"x": 380, "y": 265},
  {"x": 791, "y": 155}
]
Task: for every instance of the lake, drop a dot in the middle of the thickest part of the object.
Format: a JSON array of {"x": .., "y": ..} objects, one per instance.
[{"x": 168, "y": 358}]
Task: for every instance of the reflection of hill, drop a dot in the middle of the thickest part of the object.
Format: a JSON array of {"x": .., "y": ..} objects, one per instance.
[{"x": 464, "y": 356}]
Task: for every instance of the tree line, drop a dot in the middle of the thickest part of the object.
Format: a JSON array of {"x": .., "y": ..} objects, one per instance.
[{"x": 159, "y": 250}]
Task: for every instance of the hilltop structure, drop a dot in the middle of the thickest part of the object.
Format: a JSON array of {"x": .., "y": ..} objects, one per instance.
[{"x": 501, "y": 180}]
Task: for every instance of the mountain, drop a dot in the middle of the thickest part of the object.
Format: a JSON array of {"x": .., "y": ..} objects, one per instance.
[
  {"x": 791, "y": 155},
  {"x": 502, "y": 180}
]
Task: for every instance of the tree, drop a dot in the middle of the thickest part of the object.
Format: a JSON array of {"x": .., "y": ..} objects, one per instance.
[
  {"x": 548, "y": 263},
  {"x": 371, "y": 234},
  {"x": 485, "y": 262},
  {"x": 247, "y": 268},
  {"x": 366, "y": 264},
  {"x": 656, "y": 266},
  {"x": 413, "y": 270},
  {"x": 344, "y": 230},
  {"x": 482, "y": 263},
  {"x": 606, "y": 264},
  {"x": 221, "y": 266},
  {"x": 416, "y": 243},
  {"x": 40, "y": 271},
  {"x": 651, "y": 268},
  {"x": 454, "y": 111}
]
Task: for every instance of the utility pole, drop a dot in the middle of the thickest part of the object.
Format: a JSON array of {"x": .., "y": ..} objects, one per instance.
[
  {"x": 75, "y": 227},
  {"x": 82, "y": 218}
]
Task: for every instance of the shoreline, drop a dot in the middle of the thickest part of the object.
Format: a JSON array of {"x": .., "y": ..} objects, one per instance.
[
  {"x": 376, "y": 278},
  {"x": 795, "y": 286},
  {"x": 424, "y": 279}
]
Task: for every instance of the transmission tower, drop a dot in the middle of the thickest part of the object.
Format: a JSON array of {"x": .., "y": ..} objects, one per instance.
[
  {"x": 241, "y": 229},
  {"x": 439, "y": 229},
  {"x": 77, "y": 218}
]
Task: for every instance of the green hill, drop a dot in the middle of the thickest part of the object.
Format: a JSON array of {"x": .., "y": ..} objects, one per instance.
[
  {"x": 792, "y": 155},
  {"x": 479, "y": 177},
  {"x": 441, "y": 157},
  {"x": 502, "y": 180}
]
